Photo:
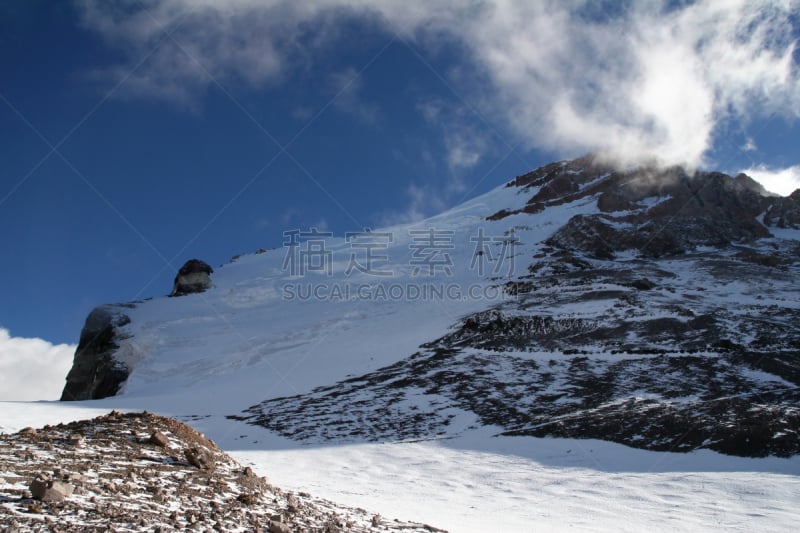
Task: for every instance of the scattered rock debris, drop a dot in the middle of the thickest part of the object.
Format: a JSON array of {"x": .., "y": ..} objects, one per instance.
[{"x": 142, "y": 472}]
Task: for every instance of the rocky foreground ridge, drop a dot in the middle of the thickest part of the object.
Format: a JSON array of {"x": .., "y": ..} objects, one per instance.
[{"x": 142, "y": 472}]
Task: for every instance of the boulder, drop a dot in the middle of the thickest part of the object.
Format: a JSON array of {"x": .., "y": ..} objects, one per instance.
[
  {"x": 199, "y": 458},
  {"x": 194, "y": 276},
  {"x": 48, "y": 490},
  {"x": 159, "y": 439},
  {"x": 96, "y": 372}
]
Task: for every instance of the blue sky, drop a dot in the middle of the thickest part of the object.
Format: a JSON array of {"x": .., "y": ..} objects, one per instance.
[{"x": 137, "y": 135}]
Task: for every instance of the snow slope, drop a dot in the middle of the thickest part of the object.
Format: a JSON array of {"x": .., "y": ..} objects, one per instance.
[
  {"x": 481, "y": 483},
  {"x": 254, "y": 337}
]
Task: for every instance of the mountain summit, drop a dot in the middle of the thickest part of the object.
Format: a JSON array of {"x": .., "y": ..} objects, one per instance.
[{"x": 646, "y": 306}]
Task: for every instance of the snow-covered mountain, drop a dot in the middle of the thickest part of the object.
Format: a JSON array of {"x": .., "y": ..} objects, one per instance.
[{"x": 645, "y": 306}]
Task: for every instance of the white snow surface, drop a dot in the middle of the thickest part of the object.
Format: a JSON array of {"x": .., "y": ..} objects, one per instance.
[{"x": 252, "y": 336}]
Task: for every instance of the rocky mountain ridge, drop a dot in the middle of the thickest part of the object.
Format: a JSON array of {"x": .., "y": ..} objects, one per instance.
[
  {"x": 657, "y": 212},
  {"x": 667, "y": 321},
  {"x": 651, "y": 307}
]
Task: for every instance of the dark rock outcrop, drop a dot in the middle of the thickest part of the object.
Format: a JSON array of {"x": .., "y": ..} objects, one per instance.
[
  {"x": 96, "y": 372},
  {"x": 656, "y": 211},
  {"x": 784, "y": 212},
  {"x": 194, "y": 276}
]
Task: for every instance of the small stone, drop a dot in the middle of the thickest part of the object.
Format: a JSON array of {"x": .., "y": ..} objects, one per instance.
[
  {"x": 293, "y": 505},
  {"x": 278, "y": 527},
  {"x": 76, "y": 477},
  {"x": 27, "y": 431},
  {"x": 249, "y": 472},
  {"x": 247, "y": 499},
  {"x": 77, "y": 440},
  {"x": 643, "y": 284},
  {"x": 159, "y": 439}
]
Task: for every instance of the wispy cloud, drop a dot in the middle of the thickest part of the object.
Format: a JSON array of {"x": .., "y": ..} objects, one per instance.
[
  {"x": 32, "y": 369},
  {"x": 749, "y": 145},
  {"x": 464, "y": 144},
  {"x": 347, "y": 85},
  {"x": 422, "y": 202},
  {"x": 643, "y": 80},
  {"x": 783, "y": 181}
]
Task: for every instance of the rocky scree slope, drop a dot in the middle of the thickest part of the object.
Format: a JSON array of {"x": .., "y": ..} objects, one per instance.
[
  {"x": 669, "y": 319},
  {"x": 141, "y": 472}
]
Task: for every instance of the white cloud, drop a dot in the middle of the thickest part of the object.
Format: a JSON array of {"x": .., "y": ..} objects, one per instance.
[
  {"x": 654, "y": 80},
  {"x": 649, "y": 83},
  {"x": 461, "y": 152},
  {"x": 783, "y": 181},
  {"x": 32, "y": 369}
]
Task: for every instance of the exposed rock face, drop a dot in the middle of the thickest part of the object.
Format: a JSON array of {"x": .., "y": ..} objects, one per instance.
[
  {"x": 657, "y": 212},
  {"x": 784, "y": 212},
  {"x": 96, "y": 372},
  {"x": 664, "y": 362},
  {"x": 194, "y": 276}
]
